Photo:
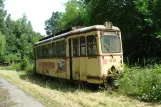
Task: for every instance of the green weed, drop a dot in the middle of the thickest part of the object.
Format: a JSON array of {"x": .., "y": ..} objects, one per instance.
[{"x": 142, "y": 83}]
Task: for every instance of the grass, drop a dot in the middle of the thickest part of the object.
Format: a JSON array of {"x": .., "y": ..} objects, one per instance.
[
  {"x": 143, "y": 83},
  {"x": 59, "y": 94}
]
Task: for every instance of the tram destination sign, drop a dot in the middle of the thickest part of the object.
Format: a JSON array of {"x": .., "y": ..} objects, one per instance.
[{"x": 111, "y": 33}]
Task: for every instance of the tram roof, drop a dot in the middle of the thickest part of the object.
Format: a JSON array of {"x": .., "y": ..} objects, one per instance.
[{"x": 75, "y": 31}]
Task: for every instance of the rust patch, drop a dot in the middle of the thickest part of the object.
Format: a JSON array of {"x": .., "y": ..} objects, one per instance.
[
  {"x": 94, "y": 77},
  {"x": 46, "y": 65}
]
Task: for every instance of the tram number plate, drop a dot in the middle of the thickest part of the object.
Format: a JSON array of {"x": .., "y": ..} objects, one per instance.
[{"x": 112, "y": 60}]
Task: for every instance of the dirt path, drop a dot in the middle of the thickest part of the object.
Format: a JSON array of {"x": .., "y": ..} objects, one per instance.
[{"x": 12, "y": 96}]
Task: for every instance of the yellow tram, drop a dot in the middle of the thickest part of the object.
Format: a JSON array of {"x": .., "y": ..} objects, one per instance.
[{"x": 90, "y": 54}]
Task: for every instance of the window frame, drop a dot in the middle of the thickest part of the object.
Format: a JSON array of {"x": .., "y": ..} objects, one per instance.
[
  {"x": 110, "y": 52},
  {"x": 60, "y": 47},
  {"x": 92, "y": 44},
  {"x": 54, "y": 49},
  {"x": 75, "y": 47},
  {"x": 84, "y": 45}
]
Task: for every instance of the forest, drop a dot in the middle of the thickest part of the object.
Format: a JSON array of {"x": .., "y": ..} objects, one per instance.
[{"x": 140, "y": 24}]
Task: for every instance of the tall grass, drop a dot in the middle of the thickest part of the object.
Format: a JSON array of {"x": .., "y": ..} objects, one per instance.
[
  {"x": 142, "y": 83},
  {"x": 60, "y": 94}
]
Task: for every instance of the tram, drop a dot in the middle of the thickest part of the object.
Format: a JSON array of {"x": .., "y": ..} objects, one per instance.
[{"x": 90, "y": 54}]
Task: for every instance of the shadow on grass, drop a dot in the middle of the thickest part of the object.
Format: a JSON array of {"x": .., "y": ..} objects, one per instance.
[{"x": 57, "y": 83}]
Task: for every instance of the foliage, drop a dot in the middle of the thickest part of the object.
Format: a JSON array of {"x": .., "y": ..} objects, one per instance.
[
  {"x": 2, "y": 17},
  {"x": 142, "y": 83},
  {"x": 24, "y": 63},
  {"x": 16, "y": 40},
  {"x": 29, "y": 68},
  {"x": 139, "y": 21},
  {"x": 74, "y": 15},
  {"x": 16, "y": 67},
  {"x": 2, "y": 46},
  {"x": 51, "y": 25},
  {"x": 20, "y": 38},
  {"x": 13, "y": 58}
]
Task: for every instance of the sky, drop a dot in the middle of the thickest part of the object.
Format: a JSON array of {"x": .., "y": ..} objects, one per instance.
[{"x": 37, "y": 11}]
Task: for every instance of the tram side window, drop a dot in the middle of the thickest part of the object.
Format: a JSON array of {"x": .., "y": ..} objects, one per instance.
[
  {"x": 39, "y": 52},
  {"x": 91, "y": 45},
  {"x": 45, "y": 52},
  {"x": 54, "y": 49},
  {"x": 58, "y": 49},
  {"x": 62, "y": 48},
  {"x": 82, "y": 46},
  {"x": 75, "y": 47},
  {"x": 50, "y": 47}
]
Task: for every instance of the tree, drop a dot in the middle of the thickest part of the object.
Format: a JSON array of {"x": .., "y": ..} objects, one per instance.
[
  {"x": 2, "y": 17},
  {"x": 2, "y": 46},
  {"x": 11, "y": 39},
  {"x": 74, "y": 15},
  {"x": 51, "y": 25},
  {"x": 20, "y": 39},
  {"x": 138, "y": 20}
]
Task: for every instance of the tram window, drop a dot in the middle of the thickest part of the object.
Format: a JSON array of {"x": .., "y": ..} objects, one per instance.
[
  {"x": 39, "y": 52},
  {"x": 54, "y": 49},
  {"x": 58, "y": 49},
  {"x": 45, "y": 51},
  {"x": 91, "y": 45},
  {"x": 75, "y": 47},
  {"x": 82, "y": 46},
  {"x": 50, "y": 50},
  {"x": 63, "y": 49}
]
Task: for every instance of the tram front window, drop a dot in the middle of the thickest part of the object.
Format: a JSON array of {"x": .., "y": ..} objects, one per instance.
[{"x": 111, "y": 44}]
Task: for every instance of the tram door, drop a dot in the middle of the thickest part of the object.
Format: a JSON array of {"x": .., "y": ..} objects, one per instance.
[
  {"x": 75, "y": 59},
  {"x": 83, "y": 58},
  {"x": 93, "y": 60},
  {"x": 79, "y": 58}
]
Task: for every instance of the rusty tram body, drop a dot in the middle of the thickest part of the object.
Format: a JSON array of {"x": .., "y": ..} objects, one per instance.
[{"x": 89, "y": 54}]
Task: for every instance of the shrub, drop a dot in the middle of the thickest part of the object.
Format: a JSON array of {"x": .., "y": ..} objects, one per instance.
[
  {"x": 24, "y": 63},
  {"x": 16, "y": 67},
  {"x": 29, "y": 68},
  {"x": 144, "y": 84}
]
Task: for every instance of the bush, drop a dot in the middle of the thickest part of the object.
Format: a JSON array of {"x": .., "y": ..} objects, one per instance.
[
  {"x": 29, "y": 68},
  {"x": 16, "y": 67},
  {"x": 144, "y": 84},
  {"x": 24, "y": 63}
]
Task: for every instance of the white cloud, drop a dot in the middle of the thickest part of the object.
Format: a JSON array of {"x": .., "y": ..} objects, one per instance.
[{"x": 37, "y": 11}]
